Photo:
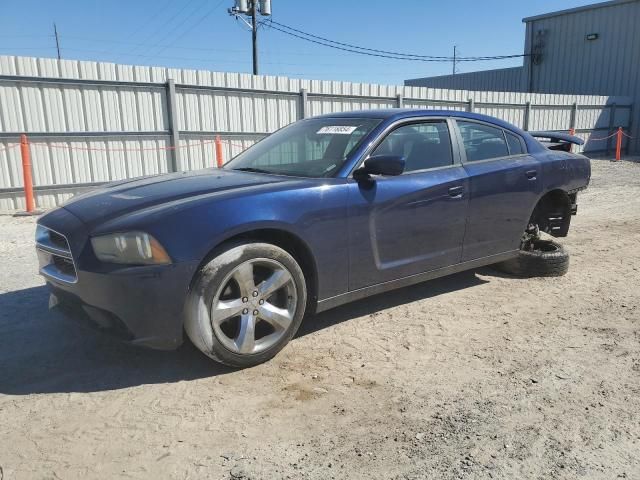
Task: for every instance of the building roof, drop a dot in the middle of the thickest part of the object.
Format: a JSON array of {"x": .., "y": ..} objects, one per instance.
[
  {"x": 448, "y": 75},
  {"x": 570, "y": 11}
]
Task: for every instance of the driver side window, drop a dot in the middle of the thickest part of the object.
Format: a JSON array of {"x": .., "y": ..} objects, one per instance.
[{"x": 423, "y": 145}]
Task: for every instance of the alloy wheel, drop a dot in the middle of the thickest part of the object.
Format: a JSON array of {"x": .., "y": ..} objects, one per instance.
[{"x": 254, "y": 306}]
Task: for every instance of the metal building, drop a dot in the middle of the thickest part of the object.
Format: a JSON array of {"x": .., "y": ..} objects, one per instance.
[
  {"x": 589, "y": 50},
  {"x": 500, "y": 80}
]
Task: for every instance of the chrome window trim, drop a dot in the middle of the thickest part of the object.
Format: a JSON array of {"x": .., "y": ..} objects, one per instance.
[
  {"x": 424, "y": 170},
  {"x": 496, "y": 159}
]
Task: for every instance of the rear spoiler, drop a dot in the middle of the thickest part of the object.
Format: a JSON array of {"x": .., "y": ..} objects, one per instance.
[{"x": 557, "y": 140}]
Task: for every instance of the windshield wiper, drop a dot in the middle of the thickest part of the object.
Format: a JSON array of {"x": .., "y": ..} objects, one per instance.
[{"x": 252, "y": 169}]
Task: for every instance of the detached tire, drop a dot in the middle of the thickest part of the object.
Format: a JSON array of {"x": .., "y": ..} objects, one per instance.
[
  {"x": 246, "y": 304},
  {"x": 546, "y": 259}
]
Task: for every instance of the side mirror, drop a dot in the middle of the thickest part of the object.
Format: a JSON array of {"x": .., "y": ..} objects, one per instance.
[{"x": 391, "y": 165}]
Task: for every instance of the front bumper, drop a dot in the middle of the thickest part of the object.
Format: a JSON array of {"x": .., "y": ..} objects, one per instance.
[{"x": 143, "y": 305}]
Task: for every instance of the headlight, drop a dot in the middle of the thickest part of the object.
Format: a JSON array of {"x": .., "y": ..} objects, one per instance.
[{"x": 131, "y": 248}]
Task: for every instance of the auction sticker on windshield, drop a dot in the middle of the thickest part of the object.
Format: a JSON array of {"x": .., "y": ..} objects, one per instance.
[{"x": 337, "y": 130}]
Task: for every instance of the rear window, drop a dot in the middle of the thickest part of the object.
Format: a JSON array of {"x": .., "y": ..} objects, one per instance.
[{"x": 515, "y": 144}]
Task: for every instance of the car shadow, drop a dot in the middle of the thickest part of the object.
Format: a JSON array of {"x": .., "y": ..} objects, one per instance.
[
  {"x": 44, "y": 352},
  {"x": 383, "y": 301}
]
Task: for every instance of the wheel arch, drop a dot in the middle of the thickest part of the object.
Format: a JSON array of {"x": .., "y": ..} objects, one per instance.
[
  {"x": 552, "y": 212},
  {"x": 280, "y": 237}
]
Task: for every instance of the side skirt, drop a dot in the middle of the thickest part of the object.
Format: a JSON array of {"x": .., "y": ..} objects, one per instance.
[{"x": 332, "y": 302}]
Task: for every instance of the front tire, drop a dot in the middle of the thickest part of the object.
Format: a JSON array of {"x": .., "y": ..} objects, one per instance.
[{"x": 246, "y": 304}]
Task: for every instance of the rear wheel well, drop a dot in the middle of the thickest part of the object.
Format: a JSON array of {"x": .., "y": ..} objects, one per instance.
[
  {"x": 552, "y": 213},
  {"x": 288, "y": 242}
]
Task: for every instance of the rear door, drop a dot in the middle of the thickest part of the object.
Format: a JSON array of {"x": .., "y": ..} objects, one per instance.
[
  {"x": 505, "y": 183},
  {"x": 414, "y": 222}
]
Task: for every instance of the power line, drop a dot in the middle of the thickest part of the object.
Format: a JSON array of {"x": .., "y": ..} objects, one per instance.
[
  {"x": 170, "y": 57},
  {"x": 226, "y": 61},
  {"x": 336, "y": 47},
  {"x": 376, "y": 52},
  {"x": 173, "y": 57},
  {"x": 141, "y": 55},
  {"x": 181, "y": 47},
  {"x": 386, "y": 52},
  {"x": 167, "y": 22},
  {"x": 25, "y": 36},
  {"x": 136, "y": 44},
  {"x": 193, "y": 25},
  {"x": 151, "y": 19},
  {"x": 219, "y": 63},
  {"x": 179, "y": 24}
]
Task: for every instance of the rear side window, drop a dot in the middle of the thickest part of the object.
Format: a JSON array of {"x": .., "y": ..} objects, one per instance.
[
  {"x": 482, "y": 142},
  {"x": 423, "y": 145},
  {"x": 515, "y": 144}
]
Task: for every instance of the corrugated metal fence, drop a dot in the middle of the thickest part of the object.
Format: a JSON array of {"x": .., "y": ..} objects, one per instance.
[{"x": 91, "y": 122}]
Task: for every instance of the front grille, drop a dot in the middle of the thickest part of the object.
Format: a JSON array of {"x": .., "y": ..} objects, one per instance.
[
  {"x": 54, "y": 254},
  {"x": 58, "y": 240},
  {"x": 64, "y": 265}
]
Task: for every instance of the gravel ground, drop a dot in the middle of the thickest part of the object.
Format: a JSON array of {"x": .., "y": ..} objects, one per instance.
[{"x": 478, "y": 375}]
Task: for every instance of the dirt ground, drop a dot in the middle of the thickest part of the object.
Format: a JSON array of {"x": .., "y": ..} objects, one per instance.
[{"x": 478, "y": 375}]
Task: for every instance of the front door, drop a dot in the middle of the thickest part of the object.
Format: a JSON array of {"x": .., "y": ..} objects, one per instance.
[{"x": 411, "y": 223}]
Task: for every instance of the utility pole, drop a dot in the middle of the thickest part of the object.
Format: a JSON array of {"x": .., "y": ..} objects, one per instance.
[
  {"x": 254, "y": 37},
  {"x": 251, "y": 8},
  {"x": 55, "y": 33},
  {"x": 455, "y": 51}
]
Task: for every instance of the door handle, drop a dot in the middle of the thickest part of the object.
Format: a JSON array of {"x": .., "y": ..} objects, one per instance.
[
  {"x": 456, "y": 192},
  {"x": 531, "y": 174}
]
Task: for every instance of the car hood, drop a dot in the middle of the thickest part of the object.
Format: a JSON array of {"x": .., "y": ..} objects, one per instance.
[{"x": 115, "y": 199}]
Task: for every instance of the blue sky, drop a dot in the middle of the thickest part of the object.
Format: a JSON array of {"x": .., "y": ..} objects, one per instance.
[{"x": 200, "y": 34}]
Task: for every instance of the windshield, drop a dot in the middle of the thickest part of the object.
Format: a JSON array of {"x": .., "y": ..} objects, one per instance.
[{"x": 317, "y": 147}]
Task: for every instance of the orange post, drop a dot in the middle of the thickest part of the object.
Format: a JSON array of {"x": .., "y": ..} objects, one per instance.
[
  {"x": 572, "y": 131},
  {"x": 219, "y": 155},
  {"x": 26, "y": 173},
  {"x": 618, "y": 143}
]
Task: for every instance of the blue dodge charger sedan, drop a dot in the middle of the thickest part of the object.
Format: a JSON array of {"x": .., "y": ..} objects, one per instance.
[{"x": 327, "y": 210}]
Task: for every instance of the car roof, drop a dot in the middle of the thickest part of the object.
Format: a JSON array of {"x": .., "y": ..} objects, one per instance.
[{"x": 401, "y": 113}]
